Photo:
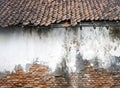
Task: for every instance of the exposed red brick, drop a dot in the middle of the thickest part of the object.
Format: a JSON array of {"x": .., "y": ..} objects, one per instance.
[{"x": 39, "y": 77}]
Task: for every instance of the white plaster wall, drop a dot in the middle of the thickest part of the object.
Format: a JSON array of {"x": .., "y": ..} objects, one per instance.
[{"x": 19, "y": 47}]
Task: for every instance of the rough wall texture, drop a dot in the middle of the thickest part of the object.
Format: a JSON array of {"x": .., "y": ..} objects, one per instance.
[
  {"x": 40, "y": 77},
  {"x": 100, "y": 46}
]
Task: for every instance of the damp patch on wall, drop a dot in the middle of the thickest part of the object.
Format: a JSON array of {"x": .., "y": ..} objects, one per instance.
[{"x": 76, "y": 46}]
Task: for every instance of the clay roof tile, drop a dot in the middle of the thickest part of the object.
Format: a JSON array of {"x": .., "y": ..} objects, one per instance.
[{"x": 47, "y": 12}]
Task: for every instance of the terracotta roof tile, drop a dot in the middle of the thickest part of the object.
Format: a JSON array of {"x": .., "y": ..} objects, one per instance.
[{"x": 46, "y": 12}]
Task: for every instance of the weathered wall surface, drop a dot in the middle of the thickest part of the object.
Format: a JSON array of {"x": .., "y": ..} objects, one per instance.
[
  {"x": 39, "y": 77},
  {"x": 99, "y": 45}
]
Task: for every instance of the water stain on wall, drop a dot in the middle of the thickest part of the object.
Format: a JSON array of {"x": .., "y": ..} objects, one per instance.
[{"x": 51, "y": 46}]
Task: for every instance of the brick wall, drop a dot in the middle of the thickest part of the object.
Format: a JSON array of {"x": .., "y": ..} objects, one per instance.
[
  {"x": 40, "y": 77},
  {"x": 37, "y": 77}
]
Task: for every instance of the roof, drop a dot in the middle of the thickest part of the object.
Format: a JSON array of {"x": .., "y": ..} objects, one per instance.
[{"x": 47, "y": 12}]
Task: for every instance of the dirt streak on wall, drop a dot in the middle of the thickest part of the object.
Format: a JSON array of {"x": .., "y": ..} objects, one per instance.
[{"x": 22, "y": 45}]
